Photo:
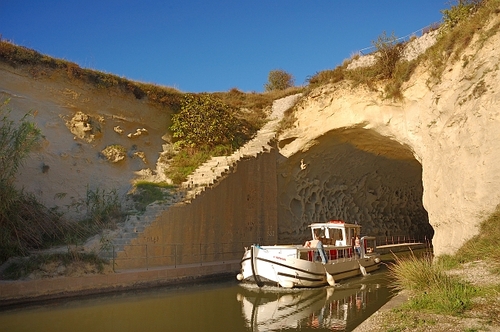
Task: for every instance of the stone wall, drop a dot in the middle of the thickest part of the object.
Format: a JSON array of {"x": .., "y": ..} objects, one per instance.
[{"x": 240, "y": 210}]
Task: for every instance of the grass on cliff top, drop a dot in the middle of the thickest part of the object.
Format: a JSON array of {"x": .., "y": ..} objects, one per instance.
[
  {"x": 40, "y": 65},
  {"x": 460, "y": 23},
  {"x": 250, "y": 109},
  {"x": 435, "y": 291}
]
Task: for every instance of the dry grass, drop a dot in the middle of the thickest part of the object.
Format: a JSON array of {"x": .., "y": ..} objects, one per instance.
[{"x": 453, "y": 293}]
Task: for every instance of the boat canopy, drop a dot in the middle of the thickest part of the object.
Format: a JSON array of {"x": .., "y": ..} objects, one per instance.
[{"x": 335, "y": 232}]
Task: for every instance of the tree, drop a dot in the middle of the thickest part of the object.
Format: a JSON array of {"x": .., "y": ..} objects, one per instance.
[
  {"x": 204, "y": 120},
  {"x": 279, "y": 80}
]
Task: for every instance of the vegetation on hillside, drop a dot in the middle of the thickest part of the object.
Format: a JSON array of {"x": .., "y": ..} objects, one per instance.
[
  {"x": 460, "y": 22},
  {"x": 25, "y": 223},
  {"x": 242, "y": 114},
  {"x": 145, "y": 193},
  {"x": 279, "y": 79},
  {"x": 224, "y": 121},
  {"x": 203, "y": 121}
]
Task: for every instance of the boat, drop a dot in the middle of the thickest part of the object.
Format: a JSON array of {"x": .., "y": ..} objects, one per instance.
[{"x": 337, "y": 252}]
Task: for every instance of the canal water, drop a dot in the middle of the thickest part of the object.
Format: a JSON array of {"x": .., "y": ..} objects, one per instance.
[{"x": 218, "y": 306}]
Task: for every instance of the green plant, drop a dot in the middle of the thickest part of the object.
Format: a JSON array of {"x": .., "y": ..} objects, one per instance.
[
  {"x": 388, "y": 53},
  {"x": 24, "y": 267},
  {"x": 402, "y": 73},
  {"x": 102, "y": 208},
  {"x": 24, "y": 222},
  {"x": 486, "y": 244},
  {"x": 448, "y": 262},
  {"x": 146, "y": 193},
  {"x": 16, "y": 142},
  {"x": 432, "y": 288},
  {"x": 458, "y": 12},
  {"x": 279, "y": 80},
  {"x": 185, "y": 162},
  {"x": 465, "y": 19},
  {"x": 203, "y": 121}
]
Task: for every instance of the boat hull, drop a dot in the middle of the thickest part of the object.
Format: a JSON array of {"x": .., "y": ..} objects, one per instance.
[{"x": 287, "y": 267}]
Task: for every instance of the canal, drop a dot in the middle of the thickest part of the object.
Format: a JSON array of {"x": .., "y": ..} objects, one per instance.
[{"x": 218, "y": 306}]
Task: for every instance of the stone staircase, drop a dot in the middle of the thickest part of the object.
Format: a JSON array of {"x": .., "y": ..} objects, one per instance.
[{"x": 205, "y": 176}]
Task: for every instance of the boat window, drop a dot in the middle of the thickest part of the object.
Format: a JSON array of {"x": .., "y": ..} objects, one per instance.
[
  {"x": 335, "y": 234},
  {"x": 319, "y": 232}
]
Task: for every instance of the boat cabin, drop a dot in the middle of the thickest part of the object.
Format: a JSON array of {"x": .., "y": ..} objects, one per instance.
[{"x": 335, "y": 232}]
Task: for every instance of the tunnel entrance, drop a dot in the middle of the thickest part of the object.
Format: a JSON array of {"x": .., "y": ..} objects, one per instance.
[{"x": 356, "y": 175}]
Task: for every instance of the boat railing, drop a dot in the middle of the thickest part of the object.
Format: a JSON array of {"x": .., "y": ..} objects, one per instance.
[{"x": 333, "y": 253}]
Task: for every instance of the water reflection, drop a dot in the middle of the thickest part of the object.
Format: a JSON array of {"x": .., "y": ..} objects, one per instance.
[
  {"x": 220, "y": 306},
  {"x": 331, "y": 308}
]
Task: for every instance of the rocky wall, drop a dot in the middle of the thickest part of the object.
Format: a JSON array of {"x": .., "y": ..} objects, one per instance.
[
  {"x": 338, "y": 179},
  {"x": 240, "y": 210}
]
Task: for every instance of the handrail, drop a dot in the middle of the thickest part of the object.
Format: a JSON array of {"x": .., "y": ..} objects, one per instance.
[
  {"x": 419, "y": 32},
  {"x": 400, "y": 239},
  {"x": 173, "y": 255}
]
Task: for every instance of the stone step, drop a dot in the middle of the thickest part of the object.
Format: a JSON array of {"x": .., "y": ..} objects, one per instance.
[{"x": 203, "y": 177}]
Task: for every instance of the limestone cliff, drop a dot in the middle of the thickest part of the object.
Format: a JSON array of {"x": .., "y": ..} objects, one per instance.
[
  {"x": 92, "y": 137},
  {"x": 395, "y": 167},
  {"x": 374, "y": 161}
]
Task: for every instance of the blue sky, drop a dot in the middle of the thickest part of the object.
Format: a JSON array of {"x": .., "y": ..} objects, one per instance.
[{"x": 208, "y": 45}]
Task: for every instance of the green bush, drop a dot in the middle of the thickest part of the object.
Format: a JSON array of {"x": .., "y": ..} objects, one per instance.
[
  {"x": 279, "y": 80},
  {"x": 459, "y": 12},
  {"x": 203, "y": 121},
  {"x": 146, "y": 193},
  {"x": 388, "y": 53}
]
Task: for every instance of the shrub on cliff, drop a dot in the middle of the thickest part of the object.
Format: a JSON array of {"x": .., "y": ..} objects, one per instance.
[
  {"x": 279, "y": 80},
  {"x": 204, "y": 120}
]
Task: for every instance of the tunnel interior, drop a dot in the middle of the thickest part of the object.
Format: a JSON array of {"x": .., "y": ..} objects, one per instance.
[{"x": 355, "y": 175}]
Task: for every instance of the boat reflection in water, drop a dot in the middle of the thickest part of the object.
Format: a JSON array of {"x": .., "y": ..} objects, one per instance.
[{"x": 338, "y": 308}]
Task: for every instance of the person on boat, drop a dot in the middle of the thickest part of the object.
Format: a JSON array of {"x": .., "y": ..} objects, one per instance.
[
  {"x": 320, "y": 252},
  {"x": 357, "y": 246}
]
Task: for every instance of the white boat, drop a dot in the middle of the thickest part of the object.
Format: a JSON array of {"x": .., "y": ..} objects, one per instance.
[{"x": 330, "y": 257}]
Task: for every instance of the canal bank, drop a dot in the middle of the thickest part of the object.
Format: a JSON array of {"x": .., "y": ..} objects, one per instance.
[
  {"x": 373, "y": 321},
  {"x": 25, "y": 291}
]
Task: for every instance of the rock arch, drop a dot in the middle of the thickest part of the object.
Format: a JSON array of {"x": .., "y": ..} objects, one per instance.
[{"x": 354, "y": 174}]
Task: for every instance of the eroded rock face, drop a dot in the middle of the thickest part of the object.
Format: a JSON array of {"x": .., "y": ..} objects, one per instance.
[
  {"x": 450, "y": 128},
  {"x": 84, "y": 126},
  {"x": 335, "y": 179},
  {"x": 79, "y": 123},
  {"x": 114, "y": 153}
]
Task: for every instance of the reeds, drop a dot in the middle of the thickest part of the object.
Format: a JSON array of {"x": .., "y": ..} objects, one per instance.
[{"x": 431, "y": 288}]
